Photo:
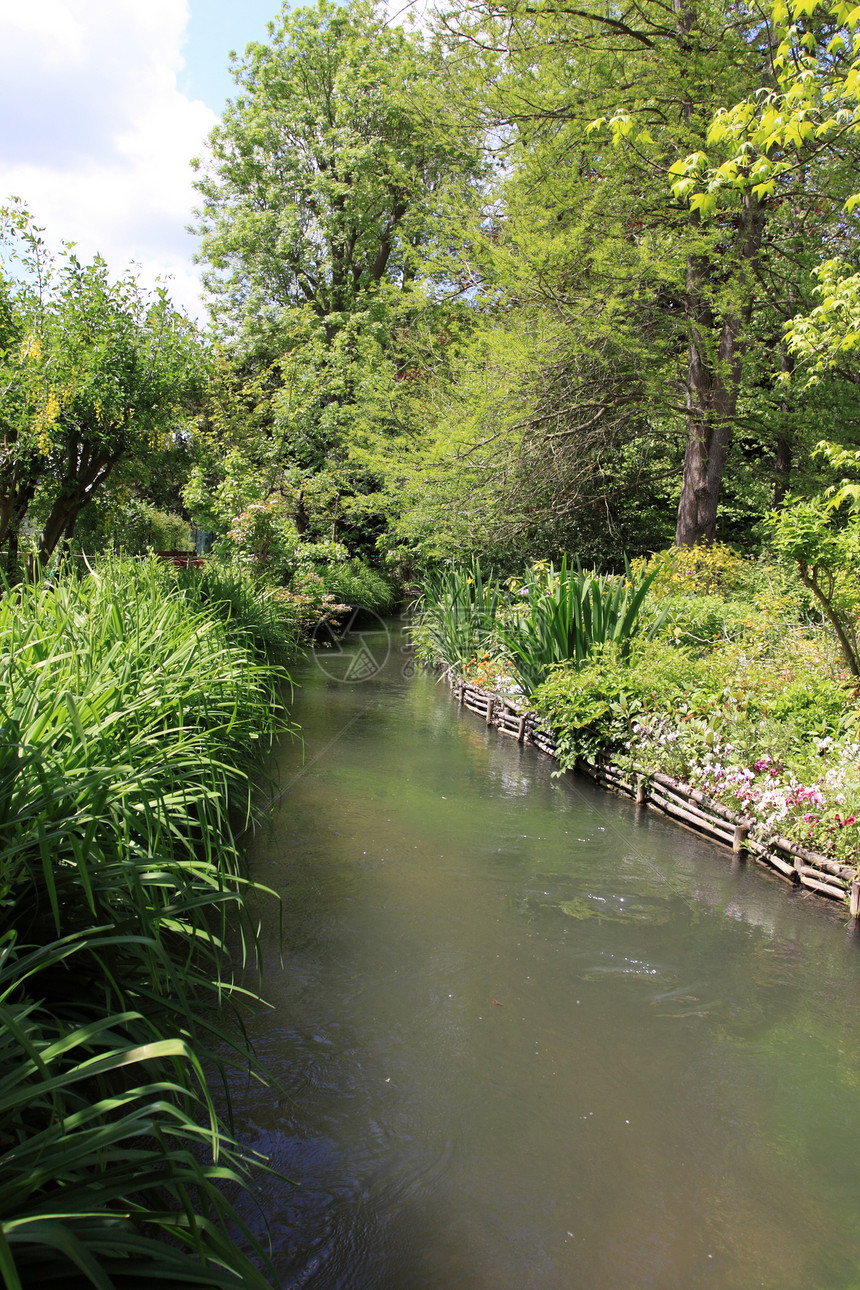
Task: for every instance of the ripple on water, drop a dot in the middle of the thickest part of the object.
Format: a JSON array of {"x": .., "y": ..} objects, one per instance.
[{"x": 533, "y": 1040}]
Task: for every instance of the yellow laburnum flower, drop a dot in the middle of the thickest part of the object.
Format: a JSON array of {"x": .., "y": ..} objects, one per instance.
[
  {"x": 31, "y": 347},
  {"x": 45, "y": 418}
]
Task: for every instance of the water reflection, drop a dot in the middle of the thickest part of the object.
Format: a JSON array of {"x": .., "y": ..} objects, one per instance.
[{"x": 533, "y": 1038}]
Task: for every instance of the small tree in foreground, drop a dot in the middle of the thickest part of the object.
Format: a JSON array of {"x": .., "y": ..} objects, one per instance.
[
  {"x": 94, "y": 372},
  {"x": 822, "y": 535}
]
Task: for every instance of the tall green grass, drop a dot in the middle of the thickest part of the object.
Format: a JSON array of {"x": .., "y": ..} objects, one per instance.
[
  {"x": 570, "y": 611},
  {"x": 559, "y": 616},
  {"x": 132, "y": 722},
  {"x": 457, "y": 614},
  {"x": 256, "y": 614}
]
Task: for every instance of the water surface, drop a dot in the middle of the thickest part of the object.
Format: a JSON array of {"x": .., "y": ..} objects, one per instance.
[{"x": 532, "y": 1038}]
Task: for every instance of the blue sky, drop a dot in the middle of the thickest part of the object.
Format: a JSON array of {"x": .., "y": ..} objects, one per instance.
[
  {"x": 214, "y": 28},
  {"x": 103, "y": 104}
]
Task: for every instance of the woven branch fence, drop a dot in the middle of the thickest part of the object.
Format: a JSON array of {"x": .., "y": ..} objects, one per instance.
[{"x": 687, "y": 805}]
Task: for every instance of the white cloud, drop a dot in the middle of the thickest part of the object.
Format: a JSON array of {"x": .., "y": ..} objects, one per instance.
[{"x": 97, "y": 138}]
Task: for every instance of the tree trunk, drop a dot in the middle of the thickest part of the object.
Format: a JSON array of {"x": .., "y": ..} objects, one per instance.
[
  {"x": 783, "y": 455},
  {"x": 301, "y": 516},
  {"x": 84, "y": 477},
  {"x": 12, "y": 545},
  {"x": 21, "y": 500},
  {"x": 713, "y": 379}
]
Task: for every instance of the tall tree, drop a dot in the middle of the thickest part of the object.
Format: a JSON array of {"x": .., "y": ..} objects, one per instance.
[
  {"x": 599, "y": 105},
  {"x": 798, "y": 133},
  {"x": 329, "y": 199}
]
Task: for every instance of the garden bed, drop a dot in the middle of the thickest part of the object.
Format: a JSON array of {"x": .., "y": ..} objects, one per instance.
[{"x": 683, "y": 803}]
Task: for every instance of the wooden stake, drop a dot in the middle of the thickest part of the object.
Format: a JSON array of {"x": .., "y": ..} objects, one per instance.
[
  {"x": 739, "y": 839},
  {"x": 491, "y": 704},
  {"x": 855, "y": 899},
  {"x": 521, "y": 729},
  {"x": 641, "y": 790}
]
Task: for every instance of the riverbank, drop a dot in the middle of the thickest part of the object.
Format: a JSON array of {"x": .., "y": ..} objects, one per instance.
[
  {"x": 716, "y": 673},
  {"x": 744, "y": 835},
  {"x": 138, "y": 707}
]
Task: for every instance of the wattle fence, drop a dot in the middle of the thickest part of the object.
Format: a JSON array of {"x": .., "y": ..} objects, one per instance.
[{"x": 690, "y": 807}]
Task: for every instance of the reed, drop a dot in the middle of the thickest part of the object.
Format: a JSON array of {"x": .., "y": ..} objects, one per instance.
[
  {"x": 132, "y": 722},
  {"x": 458, "y": 612},
  {"x": 568, "y": 613}
]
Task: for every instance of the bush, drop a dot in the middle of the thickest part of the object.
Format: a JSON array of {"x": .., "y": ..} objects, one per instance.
[
  {"x": 356, "y": 584},
  {"x": 770, "y": 732},
  {"x": 702, "y": 621},
  {"x": 265, "y": 539}
]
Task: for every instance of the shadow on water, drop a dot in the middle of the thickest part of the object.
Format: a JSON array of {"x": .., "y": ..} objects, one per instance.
[{"x": 531, "y": 1038}]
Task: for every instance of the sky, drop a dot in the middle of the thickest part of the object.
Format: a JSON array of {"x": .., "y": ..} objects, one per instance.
[{"x": 103, "y": 103}]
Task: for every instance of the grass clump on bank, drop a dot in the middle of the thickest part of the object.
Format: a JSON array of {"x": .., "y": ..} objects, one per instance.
[
  {"x": 727, "y": 677},
  {"x": 134, "y": 717}
]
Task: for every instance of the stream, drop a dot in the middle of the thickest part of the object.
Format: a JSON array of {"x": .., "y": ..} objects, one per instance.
[{"x": 528, "y": 1035}]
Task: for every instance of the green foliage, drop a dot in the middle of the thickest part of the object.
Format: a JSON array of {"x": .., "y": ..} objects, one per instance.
[
  {"x": 458, "y": 611},
  {"x": 256, "y": 616},
  {"x": 147, "y": 529},
  {"x": 328, "y": 198},
  {"x": 265, "y": 538},
  {"x": 132, "y": 725},
  {"x": 352, "y": 582},
  {"x": 570, "y": 612},
  {"x": 92, "y": 372},
  {"x": 328, "y": 169},
  {"x": 707, "y": 570},
  {"x": 796, "y": 134},
  {"x": 702, "y": 621},
  {"x": 762, "y": 701},
  {"x": 827, "y": 553},
  {"x": 591, "y": 706}
]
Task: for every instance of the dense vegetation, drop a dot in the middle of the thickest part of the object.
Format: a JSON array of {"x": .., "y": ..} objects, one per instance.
[
  {"x": 720, "y": 671},
  {"x": 503, "y": 307},
  {"x": 135, "y": 714},
  {"x": 532, "y": 283},
  {"x": 133, "y": 718}
]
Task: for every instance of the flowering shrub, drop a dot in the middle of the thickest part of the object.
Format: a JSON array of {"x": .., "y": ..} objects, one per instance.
[
  {"x": 309, "y": 606},
  {"x": 818, "y": 810},
  {"x": 770, "y": 737},
  {"x": 264, "y": 537},
  {"x": 733, "y": 684},
  {"x": 490, "y": 672},
  {"x": 699, "y": 571}
]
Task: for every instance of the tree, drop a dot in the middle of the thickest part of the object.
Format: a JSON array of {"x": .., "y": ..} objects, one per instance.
[
  {"x": 797, "y": 130},
  {"x": 330, "y": 194},
  {"x": 96, "y": 372},
  {"x": 598, "y": 105},
  {"x": 327, "y": 173},
  {"x": 28, "y": 407}
]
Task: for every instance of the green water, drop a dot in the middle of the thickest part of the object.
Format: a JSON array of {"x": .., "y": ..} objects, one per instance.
[{"x": 531, "y": 1037}]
